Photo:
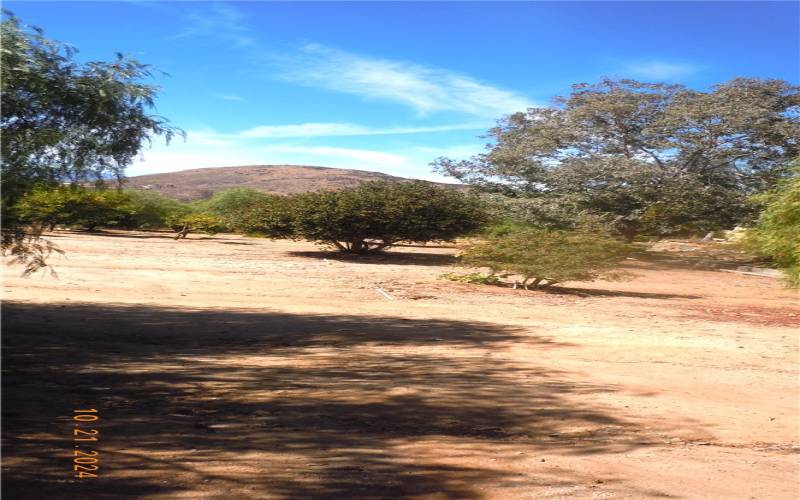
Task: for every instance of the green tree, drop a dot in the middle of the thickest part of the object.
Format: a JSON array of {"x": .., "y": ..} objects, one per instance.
[
  {"x": 231, "y": 204},
  {"x": 64, "y": 121},
  {"x": 270, "y": 216},
  {"x": 376, "y": 215},
  {"x": 150, "y": 210},
  {"x": 777, "y": 232},
  {"x": 74, "y": 206},
  {"x": 650, "y": 157},
  {"x": 544, "y": 257}
]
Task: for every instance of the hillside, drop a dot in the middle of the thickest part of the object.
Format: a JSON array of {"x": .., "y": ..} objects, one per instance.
[{"x": 279, "y": 179}]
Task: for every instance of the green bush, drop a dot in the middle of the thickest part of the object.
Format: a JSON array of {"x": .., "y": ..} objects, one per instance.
[
  {"x": 270, "y": 215},
  {"x": 372, "y": 216},
  {"x": 545, "y": 257},
  {"x": 231, "y": 204},
  {"x": 76, "y": 206},
  {"x": 149, "y": 210},
  {"x": 73, "y": 206},
  {"x": 777, "y": 233}
]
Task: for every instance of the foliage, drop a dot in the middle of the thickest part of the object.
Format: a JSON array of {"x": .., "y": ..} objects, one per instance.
[
  {"x": 541, "y": 211},
  {"x": 647, "y": 157},
  {"x": 149, "y": 210},
  {"x": 777, "y": 233},
  {"x": 375, "y": 215},
  {"x": 74, "y": 206},
  {"x": 269, "y": 216},
  {"x": 229, "y": 205},
  {"x": 545, "y": 257},
  {"x": 64, "y": 121},
  {"x": 196, "y": 222},
  {"x": 474, "y": 278}
]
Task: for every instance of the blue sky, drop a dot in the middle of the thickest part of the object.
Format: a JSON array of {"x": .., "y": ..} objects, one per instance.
[{"x": 389, "y": 86}]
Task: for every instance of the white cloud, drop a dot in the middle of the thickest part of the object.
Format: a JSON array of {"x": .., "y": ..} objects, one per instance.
[
  {"x": 659, "y": 70},
  {"x": 335, "y": 129},
  {"x": 424, "y": 89},
  {"x": 379, "y": 159},
  {"x": 458, "y": 151},
  {"x": 303, "y": 130}
]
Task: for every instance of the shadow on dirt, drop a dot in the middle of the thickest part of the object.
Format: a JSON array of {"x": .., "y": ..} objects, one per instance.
[
  {"x": 293, "y": 406},
  {"x": 590, "y": 292},
  {"x": 389, "y": 257}
]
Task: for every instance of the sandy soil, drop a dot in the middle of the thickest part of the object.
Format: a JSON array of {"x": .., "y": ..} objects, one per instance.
[{"x": 231, "y": 367}]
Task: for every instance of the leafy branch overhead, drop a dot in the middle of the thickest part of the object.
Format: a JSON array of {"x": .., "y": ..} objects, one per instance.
[{"x": 66, "y": 121}]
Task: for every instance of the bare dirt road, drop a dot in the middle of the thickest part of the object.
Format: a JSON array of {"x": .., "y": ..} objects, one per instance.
[{"x": 232, "y": 367}]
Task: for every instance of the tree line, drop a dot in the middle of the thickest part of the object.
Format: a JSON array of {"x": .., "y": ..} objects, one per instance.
[{"x": 571, "y": 184}]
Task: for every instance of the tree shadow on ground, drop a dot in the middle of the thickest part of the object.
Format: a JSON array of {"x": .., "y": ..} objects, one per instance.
[
  {"x": 391, "y": 257},
  {"x": 268, "y": 404},
  {"x": 592, "y": 292},
  {"x": 424, "y": 245}
]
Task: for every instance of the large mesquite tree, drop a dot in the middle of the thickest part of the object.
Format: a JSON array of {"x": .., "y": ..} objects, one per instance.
[
  {"x": 64, "y": 121},
  {"x": 655, "y": 157}
]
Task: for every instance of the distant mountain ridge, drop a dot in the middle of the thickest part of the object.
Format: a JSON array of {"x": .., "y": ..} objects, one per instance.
[{"x": 201, "y": 183}]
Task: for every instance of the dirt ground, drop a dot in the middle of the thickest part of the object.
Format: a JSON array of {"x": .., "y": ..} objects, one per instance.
[{"x": 229, "y": 367}]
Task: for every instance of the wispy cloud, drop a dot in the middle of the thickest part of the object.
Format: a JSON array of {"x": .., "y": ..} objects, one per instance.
[
  {"x": 334, "y": 129},
  {"x": 221, "y": 21},
  {"x": 659, "y": 70},
  {"x": 228, "y": 97},
  {"x": 425, "y": 89}
]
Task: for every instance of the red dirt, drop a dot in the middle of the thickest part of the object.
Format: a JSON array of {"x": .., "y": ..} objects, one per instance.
[{"x": 231, "y": 367}]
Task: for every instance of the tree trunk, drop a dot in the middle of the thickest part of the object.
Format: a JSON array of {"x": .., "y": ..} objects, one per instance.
[
  {"x": 183, "y": 232},
  {"x": 358, "y": 246}
]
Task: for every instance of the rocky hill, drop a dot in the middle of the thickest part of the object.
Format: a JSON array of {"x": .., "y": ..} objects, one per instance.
[{"x": 278, "y": 179}]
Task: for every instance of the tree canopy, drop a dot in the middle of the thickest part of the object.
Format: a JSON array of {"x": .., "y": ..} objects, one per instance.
[
  {"x": 544, "y": 257},
  {"x": 645, "y": 153},
  {"x": 230, "y": 204},
  {"x": 371, "y": 216}
]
